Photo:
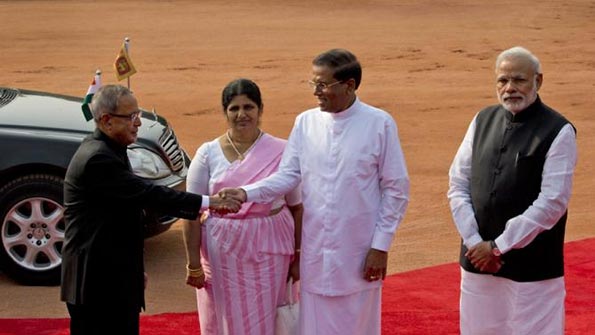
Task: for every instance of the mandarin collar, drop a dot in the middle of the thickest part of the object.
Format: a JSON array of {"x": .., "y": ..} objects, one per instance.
[
  {"x": 346, "y": 113},
  {"x": 526, "y": 113},
  {"x": 101, "y": 136}
]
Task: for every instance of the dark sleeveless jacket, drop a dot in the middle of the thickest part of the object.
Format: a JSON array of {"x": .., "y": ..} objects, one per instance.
[{"x": 509, "y": 152}]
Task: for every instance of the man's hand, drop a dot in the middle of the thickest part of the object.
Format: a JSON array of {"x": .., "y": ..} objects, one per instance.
[
  {"x": 375, "y": 266},
  {"x": 223, "y": 204},
  {"x": 483, "y": 259},
  {"x": 237, "y": 194}
]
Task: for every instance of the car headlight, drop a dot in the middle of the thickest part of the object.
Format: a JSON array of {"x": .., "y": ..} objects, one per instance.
[{"x": 147, "y": 164}]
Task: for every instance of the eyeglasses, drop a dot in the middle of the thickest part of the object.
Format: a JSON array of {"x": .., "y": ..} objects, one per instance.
[
  {"x": 322, "y": 86},
  {"x": 132, "y": 116}
]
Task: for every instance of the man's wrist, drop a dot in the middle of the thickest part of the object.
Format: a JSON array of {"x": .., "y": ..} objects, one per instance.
[
  {"x": 214, "y": 202},
  {"x": 244, "y": 193},
  {"x": 495, "y": 251},
  {"x": 206, "y": 201}
]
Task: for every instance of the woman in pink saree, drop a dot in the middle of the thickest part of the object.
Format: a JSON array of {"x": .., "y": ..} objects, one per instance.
[{"x": 247, "y": 256}]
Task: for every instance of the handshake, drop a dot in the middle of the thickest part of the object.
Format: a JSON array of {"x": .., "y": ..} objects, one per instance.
[{"x": 227, "y": 200}]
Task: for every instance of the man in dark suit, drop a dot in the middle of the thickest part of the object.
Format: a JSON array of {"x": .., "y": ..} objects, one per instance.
[{"x": 103, "y": 276}]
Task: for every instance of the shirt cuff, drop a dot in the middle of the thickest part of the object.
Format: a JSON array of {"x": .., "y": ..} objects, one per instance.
[
  {"x": 382, "y": 241},
  {"x": 251, "y": 192},
  {"x": 205, "y": 203},
  {"x": 501, "y": 244},
  {"x": 473, "y": 241}
]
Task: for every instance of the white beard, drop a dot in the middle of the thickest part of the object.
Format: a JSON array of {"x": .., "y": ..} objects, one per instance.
[{"x": 518, "y": 106}]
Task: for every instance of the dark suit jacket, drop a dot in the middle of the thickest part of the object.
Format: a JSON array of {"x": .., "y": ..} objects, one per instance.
[{"x": 102, "y": 254}]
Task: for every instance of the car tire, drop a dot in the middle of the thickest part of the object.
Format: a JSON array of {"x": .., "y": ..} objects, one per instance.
[{"x": 32, "y": 229}]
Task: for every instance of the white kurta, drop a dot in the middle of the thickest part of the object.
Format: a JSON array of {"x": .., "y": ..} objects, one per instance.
[
  {"x": 545, "y": 211},
  {"x": 495, "y": 305},
  {"x": 355, "y": 190}
]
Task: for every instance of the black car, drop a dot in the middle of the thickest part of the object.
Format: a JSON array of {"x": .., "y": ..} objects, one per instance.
[{"x": 39, "y": 133}]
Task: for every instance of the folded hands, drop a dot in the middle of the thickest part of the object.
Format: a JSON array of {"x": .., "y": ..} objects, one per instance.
[{"x": 483, "y": 259}]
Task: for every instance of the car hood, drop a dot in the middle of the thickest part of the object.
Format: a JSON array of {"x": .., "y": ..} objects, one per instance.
[{"x": 41, "y": 110}]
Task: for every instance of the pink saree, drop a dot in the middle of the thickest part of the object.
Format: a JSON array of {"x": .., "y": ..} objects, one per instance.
[
  {"x": 246, "y": 255},
  {"x": 258, "y": 164}
]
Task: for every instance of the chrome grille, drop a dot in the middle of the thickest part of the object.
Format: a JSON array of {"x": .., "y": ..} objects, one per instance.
[
  {"x": 172, "y": 149},
  {"x": 7, "y": 95}
]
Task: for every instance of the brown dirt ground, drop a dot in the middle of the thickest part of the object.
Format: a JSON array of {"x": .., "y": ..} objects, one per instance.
[{"x": 429, "y": 63}]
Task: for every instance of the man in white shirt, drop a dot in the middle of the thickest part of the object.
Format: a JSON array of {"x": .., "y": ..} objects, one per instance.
[
  {"x": 355, "y": 190},
  {"x": 510, "y": 184}
]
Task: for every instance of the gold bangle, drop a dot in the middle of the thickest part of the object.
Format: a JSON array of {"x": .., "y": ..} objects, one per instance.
[
  {"x": 191, "y": 269},
  {"x": 195, "y": 273},
  {"x": 297, "y": 251}
]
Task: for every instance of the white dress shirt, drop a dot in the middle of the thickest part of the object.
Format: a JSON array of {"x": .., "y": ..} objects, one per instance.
[
  {"x": 543, "y": 214},
  {"x": 355, "y": 190}
]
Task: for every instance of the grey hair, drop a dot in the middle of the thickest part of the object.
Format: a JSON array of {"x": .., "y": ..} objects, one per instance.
[
  {"x": 519, "y": 52},
  {"x": 106, "y": 100}
]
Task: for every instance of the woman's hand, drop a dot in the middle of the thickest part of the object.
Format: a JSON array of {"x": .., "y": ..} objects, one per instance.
[
  {"x": 195, "y": 276},
  {"x": 197, "y": 282},
  {"x": 294, "y": 268}
]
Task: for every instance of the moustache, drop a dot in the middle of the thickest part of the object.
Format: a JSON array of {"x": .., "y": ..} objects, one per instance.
[{"x": 513, "y": 96}]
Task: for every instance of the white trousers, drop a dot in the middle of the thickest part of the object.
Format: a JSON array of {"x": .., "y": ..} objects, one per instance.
[
  {"x": 353, "y": 314},
  {"x": 494, "y": 305}
]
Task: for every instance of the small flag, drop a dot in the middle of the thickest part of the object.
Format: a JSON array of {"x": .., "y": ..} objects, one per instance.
[
  {"x": 123, "y": 65},
  {"x": 95, "y": 85}
]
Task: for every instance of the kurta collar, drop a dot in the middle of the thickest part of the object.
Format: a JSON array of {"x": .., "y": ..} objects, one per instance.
[
  {"x": 347, "y": 112},
  {"x": 117, "y": 147},
  {"x": 525, "y": 114}
]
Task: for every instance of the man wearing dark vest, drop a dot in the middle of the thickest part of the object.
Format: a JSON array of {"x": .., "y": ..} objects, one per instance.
[{"x": 510, "y": 184}]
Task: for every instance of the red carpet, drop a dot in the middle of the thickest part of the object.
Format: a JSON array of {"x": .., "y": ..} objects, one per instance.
[{"x": 423, "y": 301}]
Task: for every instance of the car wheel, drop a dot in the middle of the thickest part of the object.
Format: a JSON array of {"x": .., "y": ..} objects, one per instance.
[{"x": 32, "y": 229}]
